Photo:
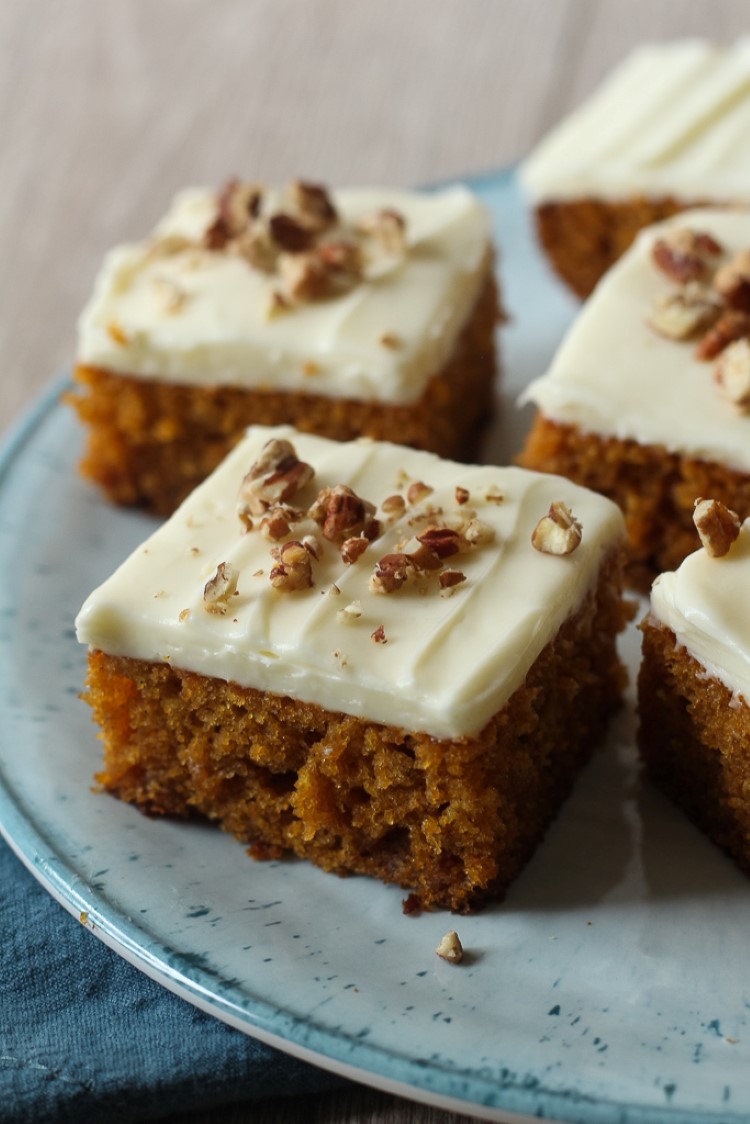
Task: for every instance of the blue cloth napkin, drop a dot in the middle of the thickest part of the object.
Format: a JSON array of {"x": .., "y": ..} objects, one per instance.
[{"x": 86, "y": 1036}]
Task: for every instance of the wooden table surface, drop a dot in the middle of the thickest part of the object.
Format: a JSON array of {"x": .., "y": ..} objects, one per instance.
[{"x": 108, "y": 106}]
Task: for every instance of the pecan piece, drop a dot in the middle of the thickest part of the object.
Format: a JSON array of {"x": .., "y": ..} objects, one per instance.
[
  {"x": 218, "y": 589},
  {"x": 350, "y": 613},
  {"x": 390, "y": 573},
  {"x": 313, "y": 204},
  {"x": 685, "y": 255},
  {"x": 277, "y": 522},
  {"x": 277, "y": 475},
  {"x": 732, "y": 325},
  {"x": 450, "y": 948},
  {"x": 717, "y": 525},
  {"x": 442, "y": 541},
  {"x": 342, "y": 514},
  {"x": 353, "y": 549},
  {"x": 388, "y": 228},
  {"x": 342, "y": 263},
  {"x": 478, "y": 533},
  {"x": 289, "y": 233},
  {"x": 304, "y": 277},
  {"x": 684, "y": 313},
  {"x": 393, "y": 506},
  {"x": 257, "y": 247},
  {"x": 732, "y": 373},
  {"x": 557, "y": 532},
  {"x": 732, "y": 281},
  {"x": 379, "y": 635},
  {"x": 237, "y": 205},
  {"x": 449, "y": 579},
  {"x": 418, "y": 491},
  {"x": 293, "y": 570}
]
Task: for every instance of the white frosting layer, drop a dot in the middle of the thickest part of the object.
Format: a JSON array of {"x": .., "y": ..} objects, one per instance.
[
  {"x": 221, "y": 332},
  {"x": 449, "y": 663},
  {"x": 672, "y": 119},
  {"x": 613, "y": 375},
  {"x": 705, "y": 604}
]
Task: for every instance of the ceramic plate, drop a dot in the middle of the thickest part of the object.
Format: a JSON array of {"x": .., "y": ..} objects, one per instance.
[{"x": 609, "y": 986}]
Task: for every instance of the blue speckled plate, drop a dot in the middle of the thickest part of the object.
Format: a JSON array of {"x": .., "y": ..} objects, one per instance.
[{"x": 610, "y": 986}]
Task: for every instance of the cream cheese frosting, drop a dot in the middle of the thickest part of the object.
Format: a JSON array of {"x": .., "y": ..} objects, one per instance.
[
  {"x": 705, "y": 604},
  {"x": 614, "y": 376},
  {"x": 219, "y": 330},
  {"x": 672, "y": 119},
  {"x": 448, "y": 663}
]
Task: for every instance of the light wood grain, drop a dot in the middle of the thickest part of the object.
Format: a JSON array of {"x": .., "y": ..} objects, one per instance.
[{"x": 108, "y": 106}]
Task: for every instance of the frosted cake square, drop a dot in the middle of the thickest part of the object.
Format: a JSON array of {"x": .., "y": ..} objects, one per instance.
[
  {"x": 355, "y": 652},
  {"x": 667, "y": 130},
  {"x": 360, "y": 312},
  {"x": 647, "y": 397},
  {"x": 694, "y": 683}
]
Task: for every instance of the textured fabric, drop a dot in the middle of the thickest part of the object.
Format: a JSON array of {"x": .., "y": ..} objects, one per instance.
[{"x": 85, "y": 1036}]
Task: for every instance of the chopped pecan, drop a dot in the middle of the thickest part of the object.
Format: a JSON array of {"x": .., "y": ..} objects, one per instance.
[
  {"x": 478, "y": 533},
  {"x": 379, "y": 635},
  {"x": 304, "y": 277},
  {"x": 289, "y": 233},
  {"x": 442, "y": 541},
  {"x": 390, "y": 573},
  {"x": 342, "y": 262},
  {"x": 717, "y": 525},
  {"x": 558, "y": 532},
  {"x": 350, "y": 613},
  {"x": 276, "y": 476},
  {"x": 257, "y": 247},
  {"x": 311, "y": 544},
  {"x": 732, "y": 281},
  {"x": 732, "y": 325},
  {"x": 278, "y": 521},
  {"x": 450, "y": 948},
  {"x": 293, "y": 570},
  {"x": 462, "y": 495},
  {"x": 353, "y": 549},
  {"x": 685, "y": 255},
  {"x": 418, "y": 491},
  {"x": 218, "y": 589},
  {"x": 393, "y": 506},
  {"x": 313, "y": 204},
  {"x": 684, "y": 313},
  {"x": 342, "y": 514},
  {"x": 388, "y": 228},
  {"x": 449, "y": 579},
  {"x": 237, "y": 205},
  {"x": 732, "y": 373}
]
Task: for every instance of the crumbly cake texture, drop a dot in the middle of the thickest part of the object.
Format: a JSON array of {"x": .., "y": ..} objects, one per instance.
[
  {"x": 694, "y": 721},
  {"x": 403, "y": 735},
  {"x": 666, "y": 131},
  {"x": 647, "y": 398},
  {"x": 656, "y": 489},
  {"x": 694, "y": 738},
  {"x": 582, "y": 238},
  {"x": 365, "y": 313}
]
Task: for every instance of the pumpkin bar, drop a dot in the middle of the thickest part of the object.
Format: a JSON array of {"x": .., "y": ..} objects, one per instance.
[
  {"x": 647, "y": 398},
  {"x": 694, "y": 683},
  {"x": 359, "y": 312},
  {"x": 666, "y": 131},
  {"x": 384, "y": 662}
]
